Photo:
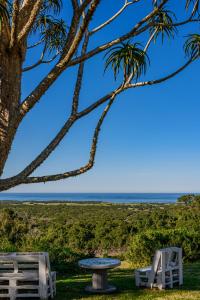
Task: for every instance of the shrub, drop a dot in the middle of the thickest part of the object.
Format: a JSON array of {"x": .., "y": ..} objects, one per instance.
[{"x": 143, "y": 245}]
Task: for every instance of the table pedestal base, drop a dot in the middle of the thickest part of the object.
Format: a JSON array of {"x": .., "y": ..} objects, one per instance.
[
  {"x": 109, "y": 289},
  {"x": 100, "y": 283}
]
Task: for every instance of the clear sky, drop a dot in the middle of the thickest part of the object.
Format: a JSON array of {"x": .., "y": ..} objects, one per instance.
[{"x": 150, "y": 141}]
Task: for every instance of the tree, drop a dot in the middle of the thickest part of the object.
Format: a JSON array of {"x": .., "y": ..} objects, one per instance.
[
  {"x": 186, "y": 199},
  {"x": 190, "y": 199},
  {"x": 25, "y": 21}
]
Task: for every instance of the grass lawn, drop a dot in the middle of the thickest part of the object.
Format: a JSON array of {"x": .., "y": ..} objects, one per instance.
[{"x": 72, "y": 287}]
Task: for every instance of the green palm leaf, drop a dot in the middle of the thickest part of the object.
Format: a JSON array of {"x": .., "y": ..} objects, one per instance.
[
  {"x": 195, "y": 6},
  {"x": 163, "y": 24},
  {"x": 192, "y": 46},
  {"x": 52, "y": 5},
  {"x": 129, "y": 58},
  {"x": 52, "y": 31}
]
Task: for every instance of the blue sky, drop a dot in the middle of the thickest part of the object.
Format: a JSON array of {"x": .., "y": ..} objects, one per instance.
[{"x": 150, "y": 140}]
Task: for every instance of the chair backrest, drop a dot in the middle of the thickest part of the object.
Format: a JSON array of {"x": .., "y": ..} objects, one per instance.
[
  {"x": 33, "y": 265},
  {"x": 156, "y": 264},
  {"x": 171, "y": 257},
  {"x": 164, "y": 259},
  {"x": 14, "y": 262}
]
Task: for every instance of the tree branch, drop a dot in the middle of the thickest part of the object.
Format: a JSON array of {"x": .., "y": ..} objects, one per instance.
[
  {"x": 27, "y": 27},
  {"x": 83, "y": 5},
  {"x": 22, "y": 177},
  {"x": 14, "y": 28},
  {"x": 83, "y": 169},
  {"x": 36, "y": 44},
  {"x": 151, "y": 82},
  {"x": 37, "y": 63},
  {"x": 34, "y": 97},
  {"x": 136, "y": 30},
  {"x": 60, "y": 135},
  {"x": 44, "y": 154},
  {"x": 89, "y": 109},
  {"x": 126, "y": 4},
  {"x": 99, "y": 102},
  {"x": 189, "y": 20},
  {"x": 41, "y": 61},
  {"x": 79, "y": 77},
  {"x": 75, "y": 5}
]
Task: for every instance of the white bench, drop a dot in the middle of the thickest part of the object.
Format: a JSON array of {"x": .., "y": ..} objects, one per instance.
[
  {"x": 165, "y": 271},
  {"x": 26, "y": 275}
]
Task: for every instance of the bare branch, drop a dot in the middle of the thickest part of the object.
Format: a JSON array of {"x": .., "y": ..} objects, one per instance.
[
  {"x": 128, "y": 85},
  {"x": 83, "y": 6},
  {"x": 14, "y": 28},
  {"x": 79, "y": 77},
  {"x": 102, "y": 100},
  {"x": 27, "y": 27},
  {"x": 41, "y": 61},
  {"x": 25, "y": 3},
  {"x": 150, "y": 40},
  {"x": 34, "y": 97},
  {"x": 27, "y": 7},
  {"x": 89, "y": 109},
  {"x": 134, "y": 32},
  {"x": 61, "y": 134},
  {"x": 22, "y": 176},
  {"x": 75, "y": 5},
  {"x": 37, "y": 63},
  {"x": 83, "y": 169},
  {"x": 36, "y": 44},
  {"x": 151, "y": 82},
  {"x": 126, "y": 4},
  {"x": 189, "y": 20},
  {"x": 45, "y": 153}
]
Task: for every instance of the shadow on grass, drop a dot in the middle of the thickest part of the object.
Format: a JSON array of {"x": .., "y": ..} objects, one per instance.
[{"x": 72, "y": 287}]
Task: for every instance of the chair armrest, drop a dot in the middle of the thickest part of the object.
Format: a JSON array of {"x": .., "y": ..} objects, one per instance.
[{"x": 144, "y": 270}]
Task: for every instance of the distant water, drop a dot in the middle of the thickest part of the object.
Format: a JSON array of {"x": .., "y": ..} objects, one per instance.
[{"x": 102, "y": 197}]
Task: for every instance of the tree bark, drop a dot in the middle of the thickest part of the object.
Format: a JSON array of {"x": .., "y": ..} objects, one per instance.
[{"x": 10, "y": 90}]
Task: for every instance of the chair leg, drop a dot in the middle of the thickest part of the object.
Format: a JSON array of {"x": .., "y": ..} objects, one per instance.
[
  {"x": 137, "y": 279},
  {"x": 12, "y": 289}
]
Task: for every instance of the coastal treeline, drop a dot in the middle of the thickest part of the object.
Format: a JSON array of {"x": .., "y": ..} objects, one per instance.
[{"x": 70, "y": 231}]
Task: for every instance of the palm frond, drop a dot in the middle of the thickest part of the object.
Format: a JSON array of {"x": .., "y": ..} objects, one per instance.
[
  {"x": 52, "y": 5},
  {"x": 163, "y": 24},
  {"x": 195, "y": 4},
  {"x": 155, "y": 3},
  {"x": 127, "y": 57},
  {"x": 52, "y": 31},
  {"x": 192, "y": 46}
]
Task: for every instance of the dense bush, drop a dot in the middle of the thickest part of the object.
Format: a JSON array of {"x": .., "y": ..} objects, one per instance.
[
  {"x": 143, "y": 245},
  {"x": 190, "y": 199},
  {"x": 72, "y": 231}
]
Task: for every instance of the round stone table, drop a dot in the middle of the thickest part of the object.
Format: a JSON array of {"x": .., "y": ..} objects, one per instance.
[{"x": 99, "y": 267}]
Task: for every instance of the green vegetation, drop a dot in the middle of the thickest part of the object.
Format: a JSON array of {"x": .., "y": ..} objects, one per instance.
[
  {"x": 190, "y": 199},
  {"x": 70, "y": 231},
  {"x": 144, "y": 244}
]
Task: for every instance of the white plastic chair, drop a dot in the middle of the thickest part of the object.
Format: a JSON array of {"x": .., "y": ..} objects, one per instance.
[{"x": 166, "y": 270}]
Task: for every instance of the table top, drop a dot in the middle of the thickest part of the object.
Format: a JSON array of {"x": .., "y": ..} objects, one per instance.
[{"x": 99, "y": 263}]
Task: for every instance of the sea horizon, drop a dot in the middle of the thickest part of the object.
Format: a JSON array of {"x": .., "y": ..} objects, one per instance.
[{"x": 93, "y": 197}]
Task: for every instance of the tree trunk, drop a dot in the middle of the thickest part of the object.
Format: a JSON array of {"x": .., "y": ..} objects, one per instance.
[{"x": 10, "y": 89}]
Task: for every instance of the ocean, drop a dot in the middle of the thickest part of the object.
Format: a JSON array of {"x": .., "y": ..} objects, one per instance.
[{"x": 96, "y": 197}]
